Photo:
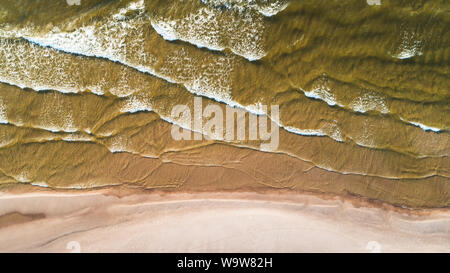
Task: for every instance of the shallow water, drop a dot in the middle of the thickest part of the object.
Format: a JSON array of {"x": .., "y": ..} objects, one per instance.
[{"x": 87, "y": 91}]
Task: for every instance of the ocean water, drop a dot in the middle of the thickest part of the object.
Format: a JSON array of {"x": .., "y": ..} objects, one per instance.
[{"x": 87, "y": 88}]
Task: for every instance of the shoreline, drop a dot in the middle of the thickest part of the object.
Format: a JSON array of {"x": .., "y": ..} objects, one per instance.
[
  {"x": 274, "y": 194},
  {"x": 202, "y": 222}
]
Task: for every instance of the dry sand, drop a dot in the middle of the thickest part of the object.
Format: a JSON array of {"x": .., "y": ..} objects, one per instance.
[{"x": 97, "y": 221}]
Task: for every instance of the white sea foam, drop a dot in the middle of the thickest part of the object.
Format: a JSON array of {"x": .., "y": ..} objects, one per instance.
[
  {"x": 105, "y": 39},
  {"x": 3, "y": 115},
  {"x": 213, "y": 80},
  {"x": 27, "y": 65},
  {"x": 135, "y": 104},
  {"x": 410, "y": 46},
  {"x": 213, "y": 83},
  {"x": 133, "y": 6},
  {"x": 374, "y": 2},
  {"x": 87, "y": 40},
  {"x": 273, "y": 8},
  {"x": 369, "y": 101},
  {"x": 73, "y": 2},
  {"x": 22, "y": 66},
  {"x": 336, "y": 134},
  {"x": 266, "y": 8},
  {"x": 408, "y": 53},
  {"x": 22, "y": 177},
  {"x": 322, "y": 93},
  {"x": 365, "y": 100},
  {"x": 304, "y": 132},
  {"x": 424, "y": 127},
  {"x": 40, "y": 184},
  {"x": 109, "y": 41},
  {"x": 73, "y": 137},
  {"x": 331, "y": 130},
  {"x": 242, "y": 33},
  {"x": 118, "y": 144}
]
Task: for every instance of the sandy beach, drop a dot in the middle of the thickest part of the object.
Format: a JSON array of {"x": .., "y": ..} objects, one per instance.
[{"x": 98, "y": 221}]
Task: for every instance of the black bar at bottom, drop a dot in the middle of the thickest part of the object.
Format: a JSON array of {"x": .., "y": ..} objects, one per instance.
[{"x": 226, "y": 262}]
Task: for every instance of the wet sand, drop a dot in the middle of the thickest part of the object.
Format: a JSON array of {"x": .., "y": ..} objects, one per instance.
[{"x": 101, "y": 221}]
